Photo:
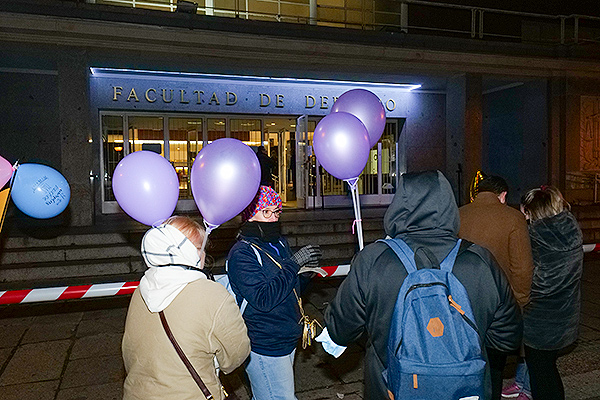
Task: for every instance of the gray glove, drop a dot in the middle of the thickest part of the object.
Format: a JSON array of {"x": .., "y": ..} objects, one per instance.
[{"x": 308, "y": 256}]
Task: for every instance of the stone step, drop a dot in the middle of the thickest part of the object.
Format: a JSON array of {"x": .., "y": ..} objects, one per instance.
[
  {"x": 104, "y": 256},
  {"x": 218, "y": 248},
  {"x": 40, "y": 274}
]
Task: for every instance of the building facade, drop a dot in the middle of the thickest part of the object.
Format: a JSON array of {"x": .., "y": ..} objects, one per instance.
[{"x": 83, "y": 85}]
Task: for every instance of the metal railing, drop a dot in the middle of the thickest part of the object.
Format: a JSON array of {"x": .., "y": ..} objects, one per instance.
[{"x": 407, "y": 16}]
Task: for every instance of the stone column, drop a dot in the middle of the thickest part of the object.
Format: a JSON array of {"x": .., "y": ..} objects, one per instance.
[
  {"x": 557, "y": 93},
  {"x": 75, "y": 133},
  {"x": 463, "y": 132}
]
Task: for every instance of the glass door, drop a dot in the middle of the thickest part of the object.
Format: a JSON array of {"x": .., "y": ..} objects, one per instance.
[
  {"x": 302, "y": 157},
  {"x": 185, "y": 141},
  {"x": 378, "y": 181}
]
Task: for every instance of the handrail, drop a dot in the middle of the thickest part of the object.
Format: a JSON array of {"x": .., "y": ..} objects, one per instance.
[{"x": 567, "y": 28}]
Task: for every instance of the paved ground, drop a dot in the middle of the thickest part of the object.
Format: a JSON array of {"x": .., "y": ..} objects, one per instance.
[{"x": 71, "y": 350}]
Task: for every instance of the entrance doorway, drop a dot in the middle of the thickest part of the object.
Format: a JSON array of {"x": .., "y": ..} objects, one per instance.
[
  {"x": 280, "y": 143},
  {"x": 377, "y": 183}
]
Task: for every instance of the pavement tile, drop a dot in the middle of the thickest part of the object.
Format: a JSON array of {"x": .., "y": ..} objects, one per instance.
[
  {"x": 107, "y": 391},
  {"x": 48, "y": 332},
  {"x": 236, "y": 382},
  {"x": 590, "y": 321},
  {"x": 587, "y": 334},
  {"x": 10, "y": 335},
  {"x": 93, "y": 371},
  {"x": 351, "y": 391},
  {"x": 582, "y": 386},
  {"x": 52, "y": 319},
  {"x": 16, "y": 321},
  {"x": 30, "y": 391},
  {"x": 313, "y": 371},
  {"x": 36, "y": 362},
  {"x": 97, "y": 326},
  {"x": 585, "y": 358},
  {"x": 108, "y": 313},
  {"x": 589, "y": 307},
  {"x": 104, "y": 344},
  {"x": 4, "y": 356}
]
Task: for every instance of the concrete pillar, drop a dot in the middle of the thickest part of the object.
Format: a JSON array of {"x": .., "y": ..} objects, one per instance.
[
  {"x": 75, "y": 133},
  {"x": 557, "y": 94},
  {"x": 463, "y": 132}
]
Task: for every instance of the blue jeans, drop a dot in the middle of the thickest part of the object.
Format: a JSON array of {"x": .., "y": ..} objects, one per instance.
[
  {"x": 522, "y": 377},
  {"x": 271, "y": 378}
]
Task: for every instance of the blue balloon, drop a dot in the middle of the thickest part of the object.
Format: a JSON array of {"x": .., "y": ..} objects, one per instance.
[{"x": 40, "y": 191}]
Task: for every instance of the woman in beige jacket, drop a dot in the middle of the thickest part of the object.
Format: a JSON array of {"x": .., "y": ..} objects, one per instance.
[{"x": 203, "y": 316}]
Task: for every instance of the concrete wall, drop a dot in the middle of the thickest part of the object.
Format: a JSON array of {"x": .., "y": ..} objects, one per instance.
[
  {"x": 515, "y": 136},
  {"x": 29, "y": 127},
  {"x": 425, "y": 131}
]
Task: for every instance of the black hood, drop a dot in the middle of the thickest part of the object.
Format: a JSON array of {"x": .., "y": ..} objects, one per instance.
[{"x": 423, "y": 213}]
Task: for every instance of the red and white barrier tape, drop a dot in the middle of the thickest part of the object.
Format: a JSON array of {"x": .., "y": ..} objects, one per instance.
[
  {"x": 100, "y": 290},
  {"x": 119, "y": 288},
  {"x": 587, "y": 248}
]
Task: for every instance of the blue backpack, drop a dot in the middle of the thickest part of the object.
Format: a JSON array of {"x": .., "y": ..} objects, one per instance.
[{"x": 434, "y": 348}]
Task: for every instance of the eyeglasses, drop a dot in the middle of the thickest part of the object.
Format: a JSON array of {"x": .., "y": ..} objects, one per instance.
[{"x": 267, "y": 213}]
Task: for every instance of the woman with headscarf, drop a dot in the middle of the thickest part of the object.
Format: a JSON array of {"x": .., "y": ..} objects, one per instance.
[
  {"x": 201, "y": 314},
  {"x": 263, "y": 274}
]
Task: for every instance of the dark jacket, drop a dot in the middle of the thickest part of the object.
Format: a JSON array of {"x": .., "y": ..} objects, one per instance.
[
  {"x": 424, "y": 214},
  {"x": 272, "y": 314},
  {"x": 551, "y": 319},
  {"x": 266, "y": 168}
]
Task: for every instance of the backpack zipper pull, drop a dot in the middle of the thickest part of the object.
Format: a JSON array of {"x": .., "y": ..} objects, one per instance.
[{"x": 455, "y": 305}]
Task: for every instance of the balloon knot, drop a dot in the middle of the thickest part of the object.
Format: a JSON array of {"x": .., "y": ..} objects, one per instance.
[
  {"x": 352, "y": 182},
  {"x": 209, "y": 227}
]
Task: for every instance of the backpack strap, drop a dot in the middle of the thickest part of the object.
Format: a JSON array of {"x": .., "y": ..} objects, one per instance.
[
  {"x": 244, "y": 302},
  {"x": 404, "y": 253},
  {"x": 448, "y": 263}
]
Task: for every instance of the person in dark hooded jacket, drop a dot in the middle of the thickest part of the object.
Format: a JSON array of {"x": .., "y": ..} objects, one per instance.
[{"x": 424, "y": 214}]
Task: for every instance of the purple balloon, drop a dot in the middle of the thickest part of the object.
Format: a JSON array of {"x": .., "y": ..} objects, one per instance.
[
  {"x": 341, "y": 144},
  {"x": 365, "y": 106},
  {"x": 146, "y": 187},
  {"x": 225, "y": 178}
]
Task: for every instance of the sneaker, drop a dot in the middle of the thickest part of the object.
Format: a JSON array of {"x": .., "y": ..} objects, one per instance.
[
  {"x": 524, "y": 396},
  {"x": 512, "y": 391}
]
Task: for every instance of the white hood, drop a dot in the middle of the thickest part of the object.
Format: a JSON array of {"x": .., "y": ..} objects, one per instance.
[{"x": 168, "y": 255}]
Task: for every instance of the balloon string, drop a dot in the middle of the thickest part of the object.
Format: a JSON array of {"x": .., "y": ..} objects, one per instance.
[
  {"x": 14, "y": 174},
  {"x": 354, "y": 223},
  {"x": 209, "y": 228},
  {"x": 353, "y": 183}
]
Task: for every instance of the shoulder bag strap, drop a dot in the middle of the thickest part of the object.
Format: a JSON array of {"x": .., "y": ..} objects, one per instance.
[{"x": 183, "y": 357}]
